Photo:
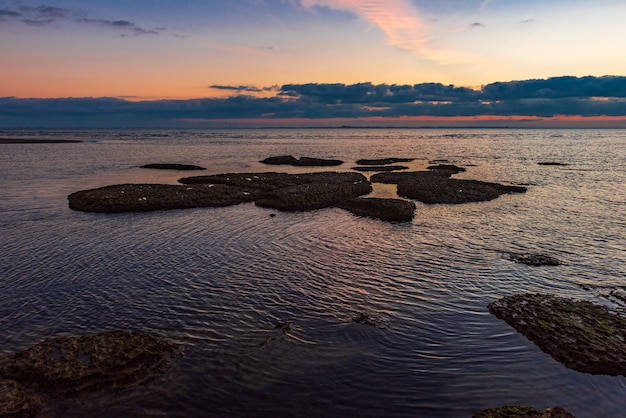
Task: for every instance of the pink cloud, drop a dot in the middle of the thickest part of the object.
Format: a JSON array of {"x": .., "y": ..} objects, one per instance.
[{"x": 399, "y": 20}]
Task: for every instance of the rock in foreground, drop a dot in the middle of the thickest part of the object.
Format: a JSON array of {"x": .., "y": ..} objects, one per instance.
[
  {"x": 73, "y": 366},
  {"x": 520, "y": 411},
  {"x": 149, "y": 197},
  {"x": 394, "y": 210},
  {"x": 580, "y": 335}
]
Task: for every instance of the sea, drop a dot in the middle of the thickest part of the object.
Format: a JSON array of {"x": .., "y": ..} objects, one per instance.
[{"x": 263, "y": 303}]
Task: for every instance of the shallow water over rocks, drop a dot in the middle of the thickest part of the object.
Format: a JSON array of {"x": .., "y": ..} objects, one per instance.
[{"x": 219, "y": 280}]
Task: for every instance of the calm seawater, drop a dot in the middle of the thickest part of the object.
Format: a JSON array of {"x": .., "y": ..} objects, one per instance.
[{"x": 219, "y": 280}]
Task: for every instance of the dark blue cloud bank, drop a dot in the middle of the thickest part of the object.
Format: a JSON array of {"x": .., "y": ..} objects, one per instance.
[{"x": 316, "y": 104}]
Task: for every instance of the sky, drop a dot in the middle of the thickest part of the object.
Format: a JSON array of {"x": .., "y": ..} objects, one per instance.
[{"x": 274, "y": 62}]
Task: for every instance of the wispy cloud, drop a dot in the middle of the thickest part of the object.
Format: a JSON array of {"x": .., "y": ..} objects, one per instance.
[
  {"x": 404, "y": 27},
  {"x": 398, "y": 19},
  {"x": 124, "y": 25},
  {"x": 47, "y": 15}
]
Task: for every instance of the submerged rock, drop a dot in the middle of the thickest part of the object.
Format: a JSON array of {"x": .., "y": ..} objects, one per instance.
[
  {"x": 365, "y": 318},
  {"x": 521, "y": 411},
  {"x": 73, "y": 366},
  {"x": 579, "y": 334},
  {"x": 534, "y": 259},
  {"x": 395, "y": 210},
  {"x": 150, "y": 197},
  {"x": 168, "y": 166},
  {"x": 302, "y": 162}
]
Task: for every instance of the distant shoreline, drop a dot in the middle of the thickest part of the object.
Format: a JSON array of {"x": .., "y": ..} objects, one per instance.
[{"x": 37, "y": 141}]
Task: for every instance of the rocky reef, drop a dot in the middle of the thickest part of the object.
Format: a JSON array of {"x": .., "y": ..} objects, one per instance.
[
  {"x": 579, "y": 334},
  {"x": 301, "y": 162},
  {"x": 297, "y": 192},
  {"x": 521, "y": 411},
  {"x": 282, "y": 191},
  {"x": 73, "y": 366}
]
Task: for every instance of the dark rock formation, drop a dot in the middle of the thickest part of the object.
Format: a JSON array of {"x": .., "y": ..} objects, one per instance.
[
  {"x": 446, "y": 167},
  {"x": 383, "y": 161},
  {"x": 520, "y": 411},
  {"x": 580, "y": 335},
  {"x": 534, "y": 259},
  {"x": 440, "y": 189},
  {"x": 302, "y": 162},
  {"x": 381, "y": 168},
  {"x": 150, "y": 197},
  {"x": 74, "y": 366},
  {"x": 552, "y": 163},
  {"x": 281, "y": 160},
  {"x": 167, "y": 166},
  {"x": 313, "y": 195},
  {"x": 395, "y": 210}
]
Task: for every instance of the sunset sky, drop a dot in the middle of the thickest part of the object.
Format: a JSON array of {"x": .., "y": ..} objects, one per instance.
[{"x": 165, "y": 50}]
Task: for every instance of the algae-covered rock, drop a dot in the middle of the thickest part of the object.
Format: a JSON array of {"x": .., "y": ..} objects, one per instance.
[
  {"x": 521, "y": 411},
  {"x": 72, "y": 366},
  {"x": 509, "y": 411},
  {"x": 17, "y": 401},
  {"x": 397, "y": 210},
  {"x": 579, "y": 334}
]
